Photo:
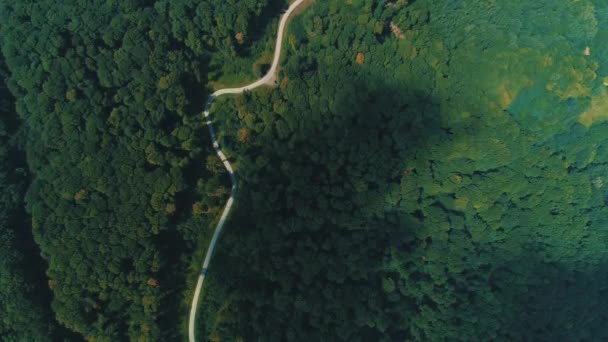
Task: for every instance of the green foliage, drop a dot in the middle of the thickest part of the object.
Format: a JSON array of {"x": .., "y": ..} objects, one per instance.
[
  {"x": 444, "y": 189},
  {"x": 24, "y": 298},
  {"x": 232, "y": 35},
  {"x": 426, "y": 170},
  {"x": 111, "y": 98}
]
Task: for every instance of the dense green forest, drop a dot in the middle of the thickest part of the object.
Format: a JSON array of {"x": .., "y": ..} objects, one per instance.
[
  {"x": 431, "y": 171},
  {"x": 111, "y": 94},
  {"x": 425, "y": 170},
  {"x": 24, "y": 296}
]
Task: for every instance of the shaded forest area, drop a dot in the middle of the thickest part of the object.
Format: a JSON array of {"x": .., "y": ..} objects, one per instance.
[
  {"x": 24, "y": 297},
  {"x": 426, "y": 170},
  {"x": 431, "y": 171}
]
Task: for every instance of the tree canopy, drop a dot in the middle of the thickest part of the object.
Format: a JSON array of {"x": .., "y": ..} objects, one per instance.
[
  {"x": 24, "y": 295},
  {"x": 110, "y": 93},
  {"x": 424, "y": 170}
]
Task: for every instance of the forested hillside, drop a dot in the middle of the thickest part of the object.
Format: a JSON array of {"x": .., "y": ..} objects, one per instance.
[
  {"x": 111, "y": 94},
  {"x": 425, "y": 170},
  {"x": 24, "y": 297},
  {"x": 431, "y": 171}
]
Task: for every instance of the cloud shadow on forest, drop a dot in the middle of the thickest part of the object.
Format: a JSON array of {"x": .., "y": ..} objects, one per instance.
[
  {"x": 307, "y": 254},
  {"x": 312, "y": 231}
]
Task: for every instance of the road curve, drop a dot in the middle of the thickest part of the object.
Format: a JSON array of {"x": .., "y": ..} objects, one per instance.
[{"x": 268, "y": 79}]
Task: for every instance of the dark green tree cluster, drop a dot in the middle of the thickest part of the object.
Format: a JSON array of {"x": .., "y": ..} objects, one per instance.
[
  {"x": 24, "y": 298},
  {"x": 432, "y": 171},
  {"x": 110, "y": 94},
  {"x": 425, "y": 170},
  {"x": 237, "y": 32}
]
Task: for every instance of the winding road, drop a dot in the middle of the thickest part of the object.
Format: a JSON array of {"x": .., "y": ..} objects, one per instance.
[{"x": 270, "y": 80}]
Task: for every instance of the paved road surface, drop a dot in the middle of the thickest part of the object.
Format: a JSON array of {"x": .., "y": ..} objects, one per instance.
[{"x": 268, "y": 79}]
